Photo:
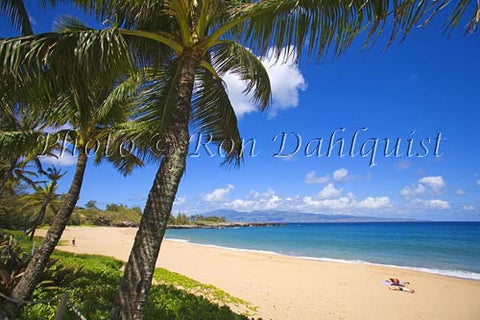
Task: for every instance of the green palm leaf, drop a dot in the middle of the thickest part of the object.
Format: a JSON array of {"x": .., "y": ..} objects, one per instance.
[
  {"x": 155, "y": 107},
  {"x": 229, "y": 56},
  {"x": 213, "y": 115},
  {"x": 92, "y": 54},
  {"x": 17, "y": 14},
  {"x": 317, "y": 25}
]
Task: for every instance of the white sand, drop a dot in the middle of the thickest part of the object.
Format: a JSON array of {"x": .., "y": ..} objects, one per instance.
[{"x": 294, "y": 288}]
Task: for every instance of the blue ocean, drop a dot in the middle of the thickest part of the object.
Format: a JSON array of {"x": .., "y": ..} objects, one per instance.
[{"x": 448, "y": 248}]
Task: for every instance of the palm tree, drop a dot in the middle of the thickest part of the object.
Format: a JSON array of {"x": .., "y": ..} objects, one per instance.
[
  {"x": 18, "y": 170},
  {"x": 90, "y": 99},
  {"x": 204, "y": 40},
  {"x": 44, "y": 196}
]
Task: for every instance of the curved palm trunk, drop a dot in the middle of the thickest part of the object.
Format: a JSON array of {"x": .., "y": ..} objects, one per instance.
[
  {"x": 134, "y": 288},
  {"x": 24, "y": 289}
]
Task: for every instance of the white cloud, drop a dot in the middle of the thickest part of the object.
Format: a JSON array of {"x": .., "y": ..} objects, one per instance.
[
  {"x": 340, "y": 174},
  {"x": 286, "y": 81},
  {"x": 436, "y": 183},
  {"x": 330, "y": 199},
  {"x": 468, "y": 208},
  {"x": 329, "y": 192},
  {"x": 374, "y": 203},
  {"x": 63, "y": 160},
  {"x": 328, "y": 204},
  {"x": 312, "y": 178},
  {"x": 257, "y": 201},
  {"x": 180, "y": 201},
  {"x": 241, "y": 103},
  {"x": 219, "y": 194},
  {"x": 347, "y": 202},
  {"x": 253, "y": 195},
  {"x": 461, "y": 192},
  {"x": 478, "y": 181},
  {"x": 408, "y": 192},
  {"x": 432, "y": 204}
]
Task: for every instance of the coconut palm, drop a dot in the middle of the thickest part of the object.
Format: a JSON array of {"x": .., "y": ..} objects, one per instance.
[
  {"x": 206, "y": 39},
  {"x": 89, "y": 99},
  {"x": 44, "y": 196},
  {"x": 18, "y": 170}
]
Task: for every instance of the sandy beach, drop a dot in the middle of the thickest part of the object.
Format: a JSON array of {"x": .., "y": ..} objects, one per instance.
[{"x": 294, "y": 288}]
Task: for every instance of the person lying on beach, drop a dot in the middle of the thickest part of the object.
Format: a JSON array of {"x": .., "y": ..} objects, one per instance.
[
  {"x": 400, "y": 288},
  {"x": 396, "y": 282}
]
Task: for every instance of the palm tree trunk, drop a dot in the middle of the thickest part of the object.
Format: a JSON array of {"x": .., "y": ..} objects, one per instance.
[
  {"x": 134, "y": 288},
  {"x": 24, "y": 289}
]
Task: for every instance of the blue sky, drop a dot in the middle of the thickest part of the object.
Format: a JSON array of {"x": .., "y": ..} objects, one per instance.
[{"x": 424, "y": 89}]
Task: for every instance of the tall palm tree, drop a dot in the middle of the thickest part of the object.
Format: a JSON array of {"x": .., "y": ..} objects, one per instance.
[
  {"x": 90, "y": 98},
  {"x": 204, "y": 40}
]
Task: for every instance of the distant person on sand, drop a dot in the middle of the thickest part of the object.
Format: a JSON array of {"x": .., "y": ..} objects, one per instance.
[
  {"x": 399, "y": 288},
  {"x": 395, "y": 284},
  {"x": 73, "y": 242}
]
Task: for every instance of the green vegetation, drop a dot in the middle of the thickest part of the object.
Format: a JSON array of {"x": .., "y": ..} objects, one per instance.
[
  {"x": 12, "y": 216},
  {"x": 208, "y": 291},
  {"x": 92, "y": 281},
  {"x": 114, "y": 215},
  {"x": 183, "y": 219},
  {"x": 15, "y": 213}
]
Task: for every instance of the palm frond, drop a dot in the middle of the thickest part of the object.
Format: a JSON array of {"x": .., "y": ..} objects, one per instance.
[
  {"x": 117, "y": 103},
  {"x": 213, "y": 115},
  {"x": 231, "y": 57},
  {"x": 67, "y": 23},
  {"x": 318, "y": 25},
  {"x": 76, "y": 57},
  {"x": 155, "y": 107},
  {"x": 120, "y": 154},
  {"x": 15, "y": 144},
  {"x": 17, "y": 14},
  {"x": 21, "y": 133}
]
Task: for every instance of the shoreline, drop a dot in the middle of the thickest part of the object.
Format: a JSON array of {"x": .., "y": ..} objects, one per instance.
[
  {"x": 222, "y": 225},
  {"x": 473, "y": 276},
  {"x": 286, "y": 287}
]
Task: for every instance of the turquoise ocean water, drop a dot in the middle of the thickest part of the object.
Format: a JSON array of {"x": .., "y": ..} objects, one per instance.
[{"x": 449, "y": 248}]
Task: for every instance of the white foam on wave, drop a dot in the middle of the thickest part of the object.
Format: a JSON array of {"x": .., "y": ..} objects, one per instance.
[
  {"x": 444, "y": 272},
  {"x": 177, "y": 240}
]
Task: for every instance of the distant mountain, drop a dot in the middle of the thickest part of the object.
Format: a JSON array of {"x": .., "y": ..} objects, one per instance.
[{"x": 287, "y": 216}]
